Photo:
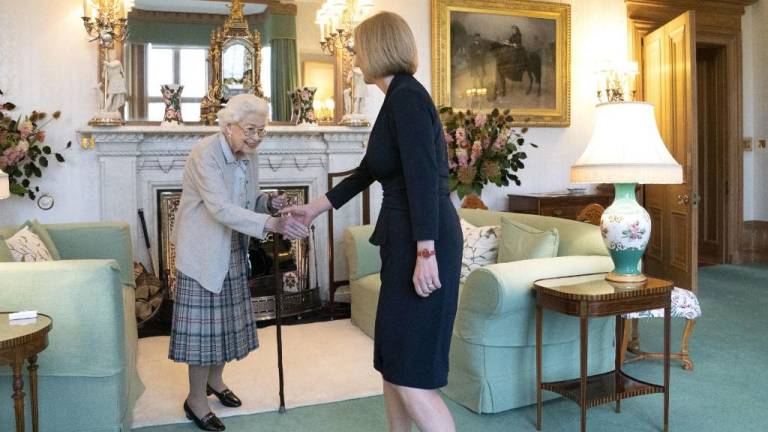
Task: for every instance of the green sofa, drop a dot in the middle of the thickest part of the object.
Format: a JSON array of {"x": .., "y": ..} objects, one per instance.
[
  {"x": 493, "y": 357},
  {"x": 88, "y": 380}
]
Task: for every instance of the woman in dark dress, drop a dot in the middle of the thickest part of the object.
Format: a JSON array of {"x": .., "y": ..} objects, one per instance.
[{"x": 418, "y": 229}]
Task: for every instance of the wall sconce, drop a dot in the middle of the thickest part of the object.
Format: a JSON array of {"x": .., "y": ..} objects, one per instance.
[{"x": 616, "y": 82}]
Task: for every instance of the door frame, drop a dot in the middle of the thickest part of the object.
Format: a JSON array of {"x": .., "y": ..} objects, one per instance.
[{"x": 712, "y": 28}]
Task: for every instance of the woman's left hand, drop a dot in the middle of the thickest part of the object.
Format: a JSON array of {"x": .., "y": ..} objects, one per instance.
[{"x": 426, "y": 278}]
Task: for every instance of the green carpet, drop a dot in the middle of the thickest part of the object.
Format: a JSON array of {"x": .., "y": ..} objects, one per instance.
[{"x": 727, "y": 391}]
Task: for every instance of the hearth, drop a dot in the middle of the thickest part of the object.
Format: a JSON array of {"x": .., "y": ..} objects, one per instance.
[{"x": 301, "y": 292}]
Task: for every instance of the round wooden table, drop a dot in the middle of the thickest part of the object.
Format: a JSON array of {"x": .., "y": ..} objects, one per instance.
[{"x": 21, "y": 341}]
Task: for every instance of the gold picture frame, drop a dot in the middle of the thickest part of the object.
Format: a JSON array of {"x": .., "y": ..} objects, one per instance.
[{"x": 476, "y": 42}]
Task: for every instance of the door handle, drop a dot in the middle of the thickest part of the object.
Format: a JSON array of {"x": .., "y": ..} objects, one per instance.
[
  {"x": 696, "y": 199},
  {"x": 683, "y": 199}
]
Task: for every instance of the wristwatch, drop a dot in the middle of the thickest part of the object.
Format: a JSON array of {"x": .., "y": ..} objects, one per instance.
[{"x": 426, "y": 253}]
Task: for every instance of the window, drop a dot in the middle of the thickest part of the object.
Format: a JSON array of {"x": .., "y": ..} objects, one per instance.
[{"x": 186, "y": 66}]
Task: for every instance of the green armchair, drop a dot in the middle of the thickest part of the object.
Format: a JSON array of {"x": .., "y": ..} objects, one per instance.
[
  {"x": 88, "y": 379},
  {"x": 493, "y": 356}
]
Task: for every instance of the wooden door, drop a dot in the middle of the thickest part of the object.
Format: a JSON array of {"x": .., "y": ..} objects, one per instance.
[
  {"x": 711, "y": 91},
  {"x": 669, "y": 82}
]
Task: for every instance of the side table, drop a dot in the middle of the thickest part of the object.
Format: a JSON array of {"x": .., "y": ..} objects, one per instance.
[
  {"x": 588, "y": 296},
  {"x": 20, "y": 342}
]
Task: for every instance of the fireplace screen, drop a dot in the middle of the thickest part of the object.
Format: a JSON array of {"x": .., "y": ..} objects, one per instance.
[{"x": 292, "y": 260}]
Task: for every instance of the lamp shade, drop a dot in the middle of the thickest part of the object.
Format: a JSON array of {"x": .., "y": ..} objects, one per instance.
[
  {"x": 5, "y": 185},
  {"x": 626, "y": 147}
]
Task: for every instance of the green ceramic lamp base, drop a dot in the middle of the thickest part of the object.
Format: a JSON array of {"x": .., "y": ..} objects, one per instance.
[{"x": 626, "y": 229}]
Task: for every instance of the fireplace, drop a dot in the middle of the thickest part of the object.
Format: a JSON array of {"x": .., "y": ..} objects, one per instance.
[
  {"x": 301, "y": 291},
  {"x": 137, "y": 161}
]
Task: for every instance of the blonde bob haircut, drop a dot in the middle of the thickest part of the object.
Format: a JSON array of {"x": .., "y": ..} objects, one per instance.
[{"x": 384, "y": 46}]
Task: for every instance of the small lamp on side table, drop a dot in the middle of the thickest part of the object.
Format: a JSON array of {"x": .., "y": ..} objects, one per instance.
[
  {"x": 5, "y": 185},
  {"x": 625, "y": 149}
]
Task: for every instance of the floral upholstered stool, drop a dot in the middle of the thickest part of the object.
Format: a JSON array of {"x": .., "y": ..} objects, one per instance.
[{"x": 685, "y": 304}]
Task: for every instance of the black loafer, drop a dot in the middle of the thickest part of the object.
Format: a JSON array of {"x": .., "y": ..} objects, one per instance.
[
  {"x": 209, "y": 422},
  {"x": 227, "y": 398}
]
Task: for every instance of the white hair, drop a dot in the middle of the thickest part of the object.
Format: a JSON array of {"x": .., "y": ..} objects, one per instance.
[{"x": 240, "y": 106}]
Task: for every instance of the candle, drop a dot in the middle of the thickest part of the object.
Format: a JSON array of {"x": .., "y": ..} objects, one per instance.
[{"x": 87, "y": 8}]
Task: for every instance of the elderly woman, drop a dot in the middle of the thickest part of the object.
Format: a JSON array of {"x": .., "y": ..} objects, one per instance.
[
  {"x": 418, "y": 229},
  {"x": 221, "y": 207}
]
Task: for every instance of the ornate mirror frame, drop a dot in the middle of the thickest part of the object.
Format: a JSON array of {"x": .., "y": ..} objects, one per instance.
[{"x": 235, "y": 30}]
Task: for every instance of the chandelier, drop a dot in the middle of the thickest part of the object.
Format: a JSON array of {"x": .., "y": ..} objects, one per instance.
[{"x": 337, "y": 19}]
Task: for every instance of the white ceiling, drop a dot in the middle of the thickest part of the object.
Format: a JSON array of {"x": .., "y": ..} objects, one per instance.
[{"x": 199, "y": 6}]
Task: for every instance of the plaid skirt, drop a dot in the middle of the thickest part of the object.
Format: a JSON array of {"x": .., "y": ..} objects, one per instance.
[{"x": 209, "y": 328}]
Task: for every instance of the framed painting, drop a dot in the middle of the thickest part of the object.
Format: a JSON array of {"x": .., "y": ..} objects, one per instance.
[{"x": 503, "y": 54}]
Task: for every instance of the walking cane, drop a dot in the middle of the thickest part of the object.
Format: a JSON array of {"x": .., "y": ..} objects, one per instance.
[{"x": 279, "y": 317}]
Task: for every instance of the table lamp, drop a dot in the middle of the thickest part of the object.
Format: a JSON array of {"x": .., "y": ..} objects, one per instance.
[
  {"x": 626, "y": 149},
  {"x": 5, "y": 185}
]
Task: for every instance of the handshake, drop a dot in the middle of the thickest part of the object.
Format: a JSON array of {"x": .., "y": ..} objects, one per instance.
[{"x": 292, "y": 222}]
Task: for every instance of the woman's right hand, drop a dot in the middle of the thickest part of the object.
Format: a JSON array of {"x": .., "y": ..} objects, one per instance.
[
  {"x": 308, "y": 212},
  {"x": 290, "y": 227}
]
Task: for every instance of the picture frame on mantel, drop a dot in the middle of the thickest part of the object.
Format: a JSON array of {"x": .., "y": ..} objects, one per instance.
[{"x": 505, "y": 54}]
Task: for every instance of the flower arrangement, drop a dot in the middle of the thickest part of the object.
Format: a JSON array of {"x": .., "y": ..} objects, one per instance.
[
  {"x": 23, "y": 152},
  {"x": 482, "y": 149}
]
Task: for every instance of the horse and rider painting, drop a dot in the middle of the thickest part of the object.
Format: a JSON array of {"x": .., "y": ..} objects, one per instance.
[{"x": 512, "y": 58}]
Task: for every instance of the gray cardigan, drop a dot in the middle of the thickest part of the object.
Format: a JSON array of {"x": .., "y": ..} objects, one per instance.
[{"x": 208, "y": 212}]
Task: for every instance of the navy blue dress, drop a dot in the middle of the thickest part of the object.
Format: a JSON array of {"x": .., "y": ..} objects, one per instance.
[{"x": 407, "y": 155}]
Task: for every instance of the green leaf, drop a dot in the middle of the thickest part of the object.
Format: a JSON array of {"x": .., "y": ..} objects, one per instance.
[
  {"x": 18, "y": 189},
  {"x": 25, "y": 182},
  {"x": 43, "y": 161},
  {"x": 47, "y": 150},
  {"x": 69, "y": 144},
  {"x": 56, "y": 114},
  {"x": 37, "y": 171},
  {"x": 9, "y": 106},
  {"x": 59, "y": 157}
]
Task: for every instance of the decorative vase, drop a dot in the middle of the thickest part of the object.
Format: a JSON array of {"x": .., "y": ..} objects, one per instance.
[
  {"x": 626, "y": 229},
  {"x": 302, "y": 111},
  {"x": 172, "y": 98}
]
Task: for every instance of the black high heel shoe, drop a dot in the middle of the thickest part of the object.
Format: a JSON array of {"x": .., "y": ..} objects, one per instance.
[
  {"x": 227, "y": 398},
  {"x": 209, "y": 422}
]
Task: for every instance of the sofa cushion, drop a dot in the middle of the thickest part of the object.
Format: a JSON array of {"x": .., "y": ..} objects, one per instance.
[
  {"x": 26, "y": 246},
  {"x": 481, "y": 247},
  {"x": 520, "y": 242},
  {"x": 362, "y": 258},
  {"x": 576, "y": 238},
  {"x": 48, "y": 252},
  {"x": 5, "y": 253}
]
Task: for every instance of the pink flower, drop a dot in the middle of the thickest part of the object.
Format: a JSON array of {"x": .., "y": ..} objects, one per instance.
[
  {"x": 23, "y": 146},
  {"x": 25, "y": 129},
  {"x": 462, "y": 156},
  {"x": 311, "y": 115},
  {"x": 448, "y": 137},
  {"x": 477, "y": 149},
  {"x": 480, "y": 120},
  {"x": 461, "y": 134},
  {"x": 500, "y": 142}
]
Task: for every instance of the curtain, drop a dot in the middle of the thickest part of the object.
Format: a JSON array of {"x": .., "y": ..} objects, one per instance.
[{"x": 284, "y": 77}]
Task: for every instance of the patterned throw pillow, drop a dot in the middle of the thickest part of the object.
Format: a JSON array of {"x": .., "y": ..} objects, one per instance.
[
  {"x": 481, "y": 247},
  {"x": 26, "y": 246}
]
